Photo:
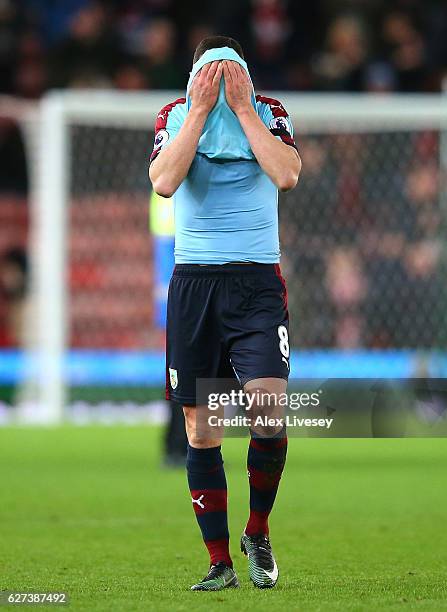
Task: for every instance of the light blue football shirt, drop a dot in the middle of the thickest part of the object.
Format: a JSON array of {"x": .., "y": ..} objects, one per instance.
[{"x": 225, "y": 210}]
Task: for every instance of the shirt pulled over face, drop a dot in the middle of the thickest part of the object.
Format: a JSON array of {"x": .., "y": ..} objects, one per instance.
[
  {"x": 222, "y": 136},
  {"x": 226, "y": 209}
]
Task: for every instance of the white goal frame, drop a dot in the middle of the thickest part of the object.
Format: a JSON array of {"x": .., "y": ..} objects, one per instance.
[{"x": 58, "y": 110}]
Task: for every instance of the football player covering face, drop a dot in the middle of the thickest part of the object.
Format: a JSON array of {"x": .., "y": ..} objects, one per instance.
[{"x": 227, "y": 304}]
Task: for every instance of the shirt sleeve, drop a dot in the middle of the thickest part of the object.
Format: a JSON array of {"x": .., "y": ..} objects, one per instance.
[
  {"x": 167, "y": 125},
  {"x": 275, "y": 117}
]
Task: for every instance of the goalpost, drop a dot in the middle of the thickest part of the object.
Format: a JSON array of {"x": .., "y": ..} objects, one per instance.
[{"x": 91, "y": 162}]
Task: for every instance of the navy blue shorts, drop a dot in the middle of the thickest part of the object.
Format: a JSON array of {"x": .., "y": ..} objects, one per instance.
[{"x": 225, "y": 321}]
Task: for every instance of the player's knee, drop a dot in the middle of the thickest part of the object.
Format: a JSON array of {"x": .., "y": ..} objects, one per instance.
[
  {"x": 198, "y": 432},
  {"x": 267, "y": 409}
]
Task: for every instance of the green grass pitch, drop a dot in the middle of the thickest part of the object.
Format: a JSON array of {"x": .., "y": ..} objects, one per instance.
[{"x": 358, "y": 525}]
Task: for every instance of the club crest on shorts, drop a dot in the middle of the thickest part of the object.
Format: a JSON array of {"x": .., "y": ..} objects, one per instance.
[
  {"x": 173, "y": 378},
  {"x": 281, "y": 123}
]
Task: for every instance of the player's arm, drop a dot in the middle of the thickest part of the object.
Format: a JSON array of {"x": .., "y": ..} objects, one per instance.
[
  {"x": 280, "y": 161},
  {"x": 172, "y": 164}
]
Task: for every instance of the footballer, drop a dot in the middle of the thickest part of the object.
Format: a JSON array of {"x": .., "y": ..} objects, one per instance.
[{"x": 223, "y": 153}]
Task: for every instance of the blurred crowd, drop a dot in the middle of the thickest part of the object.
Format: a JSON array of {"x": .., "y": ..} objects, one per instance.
[
  {"x": 366, "y": 246},
  {"x": 324, "y": 45},
  {"x": 361, "y": 236}
]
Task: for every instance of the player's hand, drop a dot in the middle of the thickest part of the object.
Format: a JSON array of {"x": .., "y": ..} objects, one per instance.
[
  {"x": 238, "y": 87},
  {"x": 205, "y": 87}
]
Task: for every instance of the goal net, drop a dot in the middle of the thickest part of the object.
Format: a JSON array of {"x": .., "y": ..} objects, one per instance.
[{"x": 362, "y": 240}]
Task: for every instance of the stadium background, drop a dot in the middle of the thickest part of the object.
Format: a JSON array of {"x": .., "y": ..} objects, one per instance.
[
  {"x": 359, "y": 524},
  {"x": 361, "y": 239}
]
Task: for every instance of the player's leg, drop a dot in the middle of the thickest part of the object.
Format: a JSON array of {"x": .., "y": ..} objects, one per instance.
[
  {"x": 265, "y": 463},
  {"x": 259, "y": 351},
  {"x": 267, "y": 451},
  {"x": 208, "y": 487},
  {"x": 193, "y": 351}
]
